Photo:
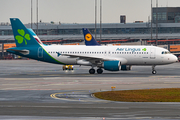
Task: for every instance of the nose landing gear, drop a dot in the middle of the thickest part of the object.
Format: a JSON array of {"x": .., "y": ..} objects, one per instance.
[{"x": 153, "y": 70}]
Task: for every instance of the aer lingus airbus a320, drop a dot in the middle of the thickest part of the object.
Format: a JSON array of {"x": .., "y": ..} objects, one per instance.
[{"x": 111, "y": 58}]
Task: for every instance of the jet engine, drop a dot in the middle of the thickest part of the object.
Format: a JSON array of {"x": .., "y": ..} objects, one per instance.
[{"x": 112, "y": 65}]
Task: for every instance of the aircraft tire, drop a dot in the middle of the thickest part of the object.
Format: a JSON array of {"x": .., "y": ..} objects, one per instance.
[
  {"x": 92, "y": 71},
  {"x": 99, "y": 71},
  {"x": 154, "y": 72}
]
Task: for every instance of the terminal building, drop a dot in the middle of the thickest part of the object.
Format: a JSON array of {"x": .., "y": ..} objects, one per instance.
[
  {"x": 137, "y": 33},
  {"x": 166, "y": 15}
]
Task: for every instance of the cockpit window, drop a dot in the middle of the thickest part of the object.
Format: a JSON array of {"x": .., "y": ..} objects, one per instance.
[{"x": 166, "y": 52}]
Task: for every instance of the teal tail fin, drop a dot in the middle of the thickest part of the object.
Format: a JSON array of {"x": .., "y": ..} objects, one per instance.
[
  {"x": 35, "y": 36},
  {"x": 23, "y": 37}
]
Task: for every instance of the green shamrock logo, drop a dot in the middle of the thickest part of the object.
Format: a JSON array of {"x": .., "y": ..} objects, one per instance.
[
  {"x": 22, "y": 37},
  {"x": 144, "y": 49}
]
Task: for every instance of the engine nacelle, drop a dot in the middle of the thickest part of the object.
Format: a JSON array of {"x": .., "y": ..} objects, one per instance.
[
  {"x": 112, "y": 65},
  {"x": 126, "y": 67}
]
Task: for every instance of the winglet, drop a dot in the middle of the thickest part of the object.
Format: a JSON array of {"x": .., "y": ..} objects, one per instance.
[{"x": 89, "y": 39}]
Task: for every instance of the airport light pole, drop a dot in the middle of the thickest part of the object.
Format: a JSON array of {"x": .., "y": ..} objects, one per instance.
[
  {"x": 95, "y": 17},
  {"x": 37, "y": 17},
  {"x": 31, "y": 14},
  {"x": 151, "y": 20},
  {"x": 100, "y": 19},
  {"x": 156, "y": 22}
]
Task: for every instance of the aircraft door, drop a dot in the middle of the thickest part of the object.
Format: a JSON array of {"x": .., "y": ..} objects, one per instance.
[
  {"x": 40, "y": 52},
  {"x": 152, "y": 53},
  {"x": 137, "y": 58}
]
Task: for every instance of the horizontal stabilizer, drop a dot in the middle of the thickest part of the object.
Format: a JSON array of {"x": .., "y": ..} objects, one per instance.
[{"x": 24, "y": 52}]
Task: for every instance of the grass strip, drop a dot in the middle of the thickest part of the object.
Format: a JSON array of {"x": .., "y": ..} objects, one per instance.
[{"x": 146, "y": 95}]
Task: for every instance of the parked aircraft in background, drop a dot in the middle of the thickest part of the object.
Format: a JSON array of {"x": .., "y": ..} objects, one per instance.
[
  {"x": 89, "y": 39},
  {"x": 112, "y": 58}
]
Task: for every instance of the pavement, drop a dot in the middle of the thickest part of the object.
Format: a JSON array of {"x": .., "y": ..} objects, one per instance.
[{"x": 32, "y": 89}]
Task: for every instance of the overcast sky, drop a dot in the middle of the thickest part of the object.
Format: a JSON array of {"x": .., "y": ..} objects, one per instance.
[{"x": 80, "y": 11}]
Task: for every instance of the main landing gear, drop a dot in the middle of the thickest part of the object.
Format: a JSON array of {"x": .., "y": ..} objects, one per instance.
[
  {"x": 99, "y": 71},
  {"x": 92, "y": 71},
  {"x": 153, "y": 70}
]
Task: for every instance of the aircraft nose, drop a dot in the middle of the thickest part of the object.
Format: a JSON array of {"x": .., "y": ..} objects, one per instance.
[{"x": 175, "y": 59}]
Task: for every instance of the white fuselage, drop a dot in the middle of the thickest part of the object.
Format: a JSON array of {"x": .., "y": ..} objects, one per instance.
[{"x": 128, "y": 55}]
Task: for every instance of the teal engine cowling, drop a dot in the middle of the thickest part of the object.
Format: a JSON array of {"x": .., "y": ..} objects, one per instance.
[
  {"x": 126, "y": 67},
  {"x": 112, "y": 65}
]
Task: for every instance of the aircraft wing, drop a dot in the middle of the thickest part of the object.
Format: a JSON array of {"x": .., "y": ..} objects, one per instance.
[
  {"x": 84, "y": 57},
  {"x": 96, "y": 59}
]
